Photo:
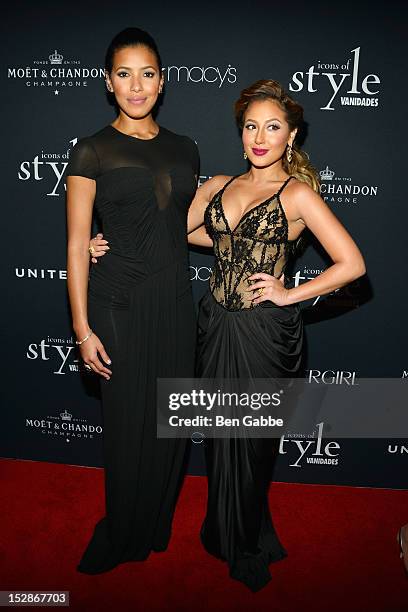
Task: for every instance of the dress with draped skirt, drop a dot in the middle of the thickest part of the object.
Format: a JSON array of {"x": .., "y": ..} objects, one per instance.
[
  {"x": 239, "y": 339},
  {"x": 141, "y": 307}
]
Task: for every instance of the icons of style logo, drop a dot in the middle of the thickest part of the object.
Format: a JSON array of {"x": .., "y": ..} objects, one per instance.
[
  {"x": 59, "y": 353},
  {"x": 343, "y": 78},
  {"x": 49, "y": 166},
  {"x": 312, "y": 450}
]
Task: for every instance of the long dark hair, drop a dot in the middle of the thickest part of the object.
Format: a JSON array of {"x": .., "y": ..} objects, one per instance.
[
  {"x": 131, "y": 37},
  {"x": 300, "y": 166}
]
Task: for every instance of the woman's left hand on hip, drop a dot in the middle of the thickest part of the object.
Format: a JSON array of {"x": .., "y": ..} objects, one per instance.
[{"x": 268, "y": 288}]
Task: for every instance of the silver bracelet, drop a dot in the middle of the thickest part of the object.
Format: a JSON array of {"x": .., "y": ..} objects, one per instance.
[{"x": 86, "y": 338}]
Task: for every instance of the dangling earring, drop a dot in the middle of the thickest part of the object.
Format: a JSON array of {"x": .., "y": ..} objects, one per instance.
[
  {"x": 245, "y": 155},
  {"x": 108, "y": 88},
  {"x": 289, "y": 153}
]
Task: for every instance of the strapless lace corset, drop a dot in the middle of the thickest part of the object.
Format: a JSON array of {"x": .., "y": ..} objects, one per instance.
[{"x": 259, "y": 243}]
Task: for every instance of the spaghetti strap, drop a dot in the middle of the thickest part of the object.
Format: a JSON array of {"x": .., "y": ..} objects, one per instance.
[
  {"x": 228, "y": 182},
  {"x": 283, "y": 186}
]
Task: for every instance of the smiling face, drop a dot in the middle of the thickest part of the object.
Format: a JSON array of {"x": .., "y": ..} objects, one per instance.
[
  {"x": 135, "y": 80},
  {"x": 266, "y": 132}
]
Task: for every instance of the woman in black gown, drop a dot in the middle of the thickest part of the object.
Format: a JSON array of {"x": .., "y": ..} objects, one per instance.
[
  {"x": 138, "y": 302},
  {"x": 250, "y": 323}
]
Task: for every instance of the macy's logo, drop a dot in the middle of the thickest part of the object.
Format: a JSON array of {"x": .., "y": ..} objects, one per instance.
[{"x": 201, "y": 74}]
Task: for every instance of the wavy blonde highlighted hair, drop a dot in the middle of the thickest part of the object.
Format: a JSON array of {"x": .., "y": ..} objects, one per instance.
[{"x": 300, "y": 166}]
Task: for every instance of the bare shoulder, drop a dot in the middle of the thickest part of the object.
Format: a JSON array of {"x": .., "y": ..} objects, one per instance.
[
  {"x": 302, "y": 201},
  {"x": 299, "y": 190},
  {"x": 217, "y": 182},
  {"x": 213, "y": 185},
  {"x": 303, "y": 197}
]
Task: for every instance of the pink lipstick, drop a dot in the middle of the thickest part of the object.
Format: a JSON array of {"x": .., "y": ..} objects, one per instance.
[
  {"x": 259, "y": 151},
  {"x": 136, "y": 101}
]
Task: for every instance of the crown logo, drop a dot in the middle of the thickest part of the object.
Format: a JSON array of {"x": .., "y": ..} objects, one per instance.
[
  {"x": 326, "y": 174},
  {"x": 65, "y": 416},
  {"x": 56, "y": 58}
]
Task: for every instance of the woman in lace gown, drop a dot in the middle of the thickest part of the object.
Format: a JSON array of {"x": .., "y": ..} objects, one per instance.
[
  {"x": 250, "y": 323},
  {"x": 135, "y": 317}
]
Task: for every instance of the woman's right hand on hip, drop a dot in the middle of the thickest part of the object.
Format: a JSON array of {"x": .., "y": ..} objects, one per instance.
[{"x": 97, "y": 247}]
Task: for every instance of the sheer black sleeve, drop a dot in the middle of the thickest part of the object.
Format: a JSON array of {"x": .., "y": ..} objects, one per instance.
[
  {"x": 194, "y": 154},
  {"x": 83, "y": 160}
]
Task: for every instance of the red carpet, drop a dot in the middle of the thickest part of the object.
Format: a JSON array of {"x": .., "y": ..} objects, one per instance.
[{"x": 341, "y": 542}]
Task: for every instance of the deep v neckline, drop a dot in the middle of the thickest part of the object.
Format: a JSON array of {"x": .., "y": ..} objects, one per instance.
[{"x": 276, "y": 194}]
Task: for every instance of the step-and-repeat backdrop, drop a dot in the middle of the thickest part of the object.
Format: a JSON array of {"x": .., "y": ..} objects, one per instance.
[{"x": 343, "y": 62}]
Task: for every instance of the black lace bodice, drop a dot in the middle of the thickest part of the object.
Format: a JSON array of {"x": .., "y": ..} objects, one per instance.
[{"x": 259, "y": 243}]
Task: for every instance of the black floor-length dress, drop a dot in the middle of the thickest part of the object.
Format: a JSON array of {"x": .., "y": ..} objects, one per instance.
[
  {"x": 140, "y": 305},
  {"x": 238, "y": 339}
]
